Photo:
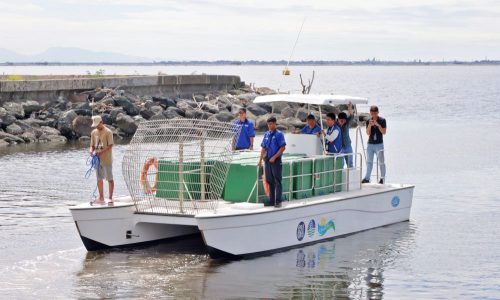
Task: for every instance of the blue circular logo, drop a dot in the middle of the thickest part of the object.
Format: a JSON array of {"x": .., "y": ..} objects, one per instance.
[
  {"x": 395, "y": 201},
  {"x": 311, "y": 228},
  {"x": 301, "y": 231}
]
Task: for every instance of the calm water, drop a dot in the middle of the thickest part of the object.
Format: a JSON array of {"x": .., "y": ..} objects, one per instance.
[{"x": 442, "y": 136}]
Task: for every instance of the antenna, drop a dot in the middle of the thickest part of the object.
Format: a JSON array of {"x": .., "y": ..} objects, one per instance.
[{"x": 286, "y": 71}]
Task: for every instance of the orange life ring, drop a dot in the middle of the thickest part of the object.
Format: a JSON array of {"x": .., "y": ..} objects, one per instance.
[
  {"x": 148, "y": 189},
  {"x": 265, "y": 183}
]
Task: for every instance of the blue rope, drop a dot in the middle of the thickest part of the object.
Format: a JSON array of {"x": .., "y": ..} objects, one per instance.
[{"x": 94, "y": 162}]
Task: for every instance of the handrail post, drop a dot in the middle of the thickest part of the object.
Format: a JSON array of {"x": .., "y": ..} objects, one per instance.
[{"x": 181, "y": 175}]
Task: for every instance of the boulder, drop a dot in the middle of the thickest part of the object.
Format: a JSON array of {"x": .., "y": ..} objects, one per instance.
[
  {"x": 29, "y": 137},
  {"x": 295, "y": 122},
  {"x": 278, "y": 107},
  {"x": 52, "y": 138},
  {"x": 14, "y": 129},
  {"x": 266, "y": 106},
  {"x": 224, "y": 116},
  {"x": 193, "y": 113},
  {"x": 256, "y": 110},
  {"x": 50, "y": 131},
  {"x": 288, "y": 112},
  {"x": 265, "y": 91},
  {"x": 158, "y": 117},
  {"x": 65, "y": 128},
  {"x": 82, "y": 112},
  {"x": 84, "y": 105},
  {"x": 177, "y": 110},
  {"x": 171, "y": 113},
  {"x": 106, "y": 119},
  {"x": 261, "y": 122},
  {"x": 6, "y": 118},
  {"x": 186, "y": 104},
  {"x": 3, "y": 143},
  {"x": 247, "y": 97},
  {"x": 156, "y": 109},
  {"x": 30, "y": 107},
  {"x": 235, "y": 108},
  {"x": 211, "y": 108},
  {"x": 126, "y": 124},
  {"x": 127, "y": 106},
  {"x": 84, "y": 138},
  {"x": 82, "y": 126},
  {"x": 62, "y": 104},
  {"x": 148, "y": 104},
  {"x": 10, "y": 138},
  {"x": 199, "y": 98},
  {"x": 146, "y": 113},
  {"x": 69, "y": 116},
  {"x": 15, "y": 109},
  {"x": 165, "y": 102},
  {"x": 113, "y": 114},
  {"x": 37, "y": 123},
  {"x": 302, "y": 114}
]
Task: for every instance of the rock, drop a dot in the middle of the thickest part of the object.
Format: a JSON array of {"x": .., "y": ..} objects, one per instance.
[
  {"x": 82, "y": 126},
  {"x": 164, "y": 102},
  {"x": 295, "y": 122},
  {"x": 171, "y": 113},
  {"x": 247, "y": 97},
  {"x": 235, "y": 108},
  {"x": 82, "y": 112},
  {"x": 113, "y": 114},
  {"x": 288, "y": 112},
  {"x": 211, "y": 108},
  {"x": 50, "y": 131},
  {"x": 302, "y": 114},
  {"x": 146, "y": 113},
  {"x": 199, "y": 98},
  {"x": 4, "y": 143},
  {"x": 127, "y": 106},
  {"x": 282, "y": 127},
  {"x": 224, "y": 116},
  {"x": 29, "y": 137},
  {"x": 158, "y": 117},
  {"x": 63, "y": 104},
  {"x": 186, "y": 104},
  {"x": 38, "y": 123},
  {"x": 6, "y": 118},
  {"x": 106, "y": 119},
  {"x": 278, "y": 107},
  {"x": 156, "y": 109},
  {"x": 148, "y": 104},
  {"x": 261, "y": 123},
  {"x": 65, "y": 128},
  {"x": 265, "y": 91},
  {"x": 266, "y": 106},
  {"x": 10, "y": 138},
  {"x": 84, "y": 138},
  {"x": 52, "y": 138},
  {"x": 205, "y": 115},
  {"x": 126, "y": 124},
  {"x": 15, "y": 109},
  {"x": 30, "y": 107},
  {"x": 98, "y": 96},
  {"x": 69, "y": 116},
  {"x": 177, "y": 110},
  {"x": 193, "y": 114},
  {"x": 14, "y": 129},
  {"x": 256, "y": 110}
]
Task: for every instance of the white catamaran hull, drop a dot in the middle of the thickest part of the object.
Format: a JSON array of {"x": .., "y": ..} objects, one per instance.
[
  {"x": 102, "y": 227},
  {"x": 299, "y": 223}
]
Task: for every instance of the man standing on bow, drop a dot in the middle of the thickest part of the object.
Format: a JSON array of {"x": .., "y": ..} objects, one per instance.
[
  {"x": 273, "y": 145},
  {"x": 376, "y": 128},
  {"x": 247, "y": 132},
  {"x": 101, "y": 143}
]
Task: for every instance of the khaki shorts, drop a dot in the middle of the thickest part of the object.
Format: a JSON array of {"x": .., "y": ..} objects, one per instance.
[{"x": 105, "y": 172}]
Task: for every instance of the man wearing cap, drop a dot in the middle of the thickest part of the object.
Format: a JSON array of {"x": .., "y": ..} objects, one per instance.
[
  {"x": 312, "y": 127},
  {"x": 333, "y": 135},
  {"x": 344, "y": 122},
  {"x": 101, "y": 143},
  {"x": 247, "y": 132},
  {"x": 376, "y": 128},
  {"x": 273, "y": 145}
]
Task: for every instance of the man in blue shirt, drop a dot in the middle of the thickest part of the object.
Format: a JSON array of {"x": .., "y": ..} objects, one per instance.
[
  {"x": 312, "y": 127},
  {"x": 247, "y": 133},
  {"x": 333, "y": 135},
  {"x": 273, "y": 145},
  {"x": 344, "y": 122}
]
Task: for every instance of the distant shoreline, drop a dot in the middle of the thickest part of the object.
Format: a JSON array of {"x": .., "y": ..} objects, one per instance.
[{"x": 262, "y": 63}]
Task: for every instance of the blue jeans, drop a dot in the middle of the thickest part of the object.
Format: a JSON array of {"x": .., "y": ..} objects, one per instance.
[
  {"x": 348, "y": 159},
  {"x": 370, "y": 152},
  {"x": 273, "y": 178}
]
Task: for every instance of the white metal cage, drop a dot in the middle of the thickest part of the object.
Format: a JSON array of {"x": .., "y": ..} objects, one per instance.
[{"x": 178, "y": 166}]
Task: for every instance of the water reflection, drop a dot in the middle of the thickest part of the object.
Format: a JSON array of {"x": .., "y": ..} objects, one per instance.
[{"x": 350, "y": 267}]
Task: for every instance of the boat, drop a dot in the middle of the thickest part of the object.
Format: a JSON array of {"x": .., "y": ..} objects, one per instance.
[{"x": 184, "y": 178}]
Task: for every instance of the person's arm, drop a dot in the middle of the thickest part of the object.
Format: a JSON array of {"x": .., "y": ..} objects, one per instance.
[
  {"x": 332, "y": 136},
  {"x": 251, "y": 134},
  {"x": 349, "y": 109},
  {"x": 108, "y": 148},
  {"x": 278, "y": 154},
  {"x": 92, "y": 146},
  {"x": 251, "y": 142},
  {"x": 369, "y": 127},
  {"x": 382, "y": 127}
]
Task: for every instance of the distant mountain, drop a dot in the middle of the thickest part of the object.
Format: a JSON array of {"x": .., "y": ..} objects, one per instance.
[{"x": 70, "y": 54}]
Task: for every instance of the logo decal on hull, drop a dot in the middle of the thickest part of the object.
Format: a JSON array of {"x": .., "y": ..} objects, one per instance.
[
  {"x": 324, "y": 226},
  {"x": 301, "y": 231},
  {"x": 395, "y": 201},
  {"x": 311, "y": 228}
]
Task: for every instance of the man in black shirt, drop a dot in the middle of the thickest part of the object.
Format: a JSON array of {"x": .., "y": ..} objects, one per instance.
[{"x": 376, "y": 128}]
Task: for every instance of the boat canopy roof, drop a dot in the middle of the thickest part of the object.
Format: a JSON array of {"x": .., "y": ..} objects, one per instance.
[{"x": 317, "y": 99}]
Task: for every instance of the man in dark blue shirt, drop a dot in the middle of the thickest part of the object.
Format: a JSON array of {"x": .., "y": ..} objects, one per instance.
[
  {"x": 312, "y": 127},
  {"x": 247, "y": 133},
  {"x": 273, "y": 145}
]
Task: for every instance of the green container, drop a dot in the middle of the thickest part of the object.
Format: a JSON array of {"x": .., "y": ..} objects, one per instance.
[
  {"x": 302, "y": 171},
  {"x": 168, "y": 185},
  {"x": 326, "y": 169}
]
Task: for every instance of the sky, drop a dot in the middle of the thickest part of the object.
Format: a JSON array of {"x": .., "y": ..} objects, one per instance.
[{"x": 430, "y": 30}]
